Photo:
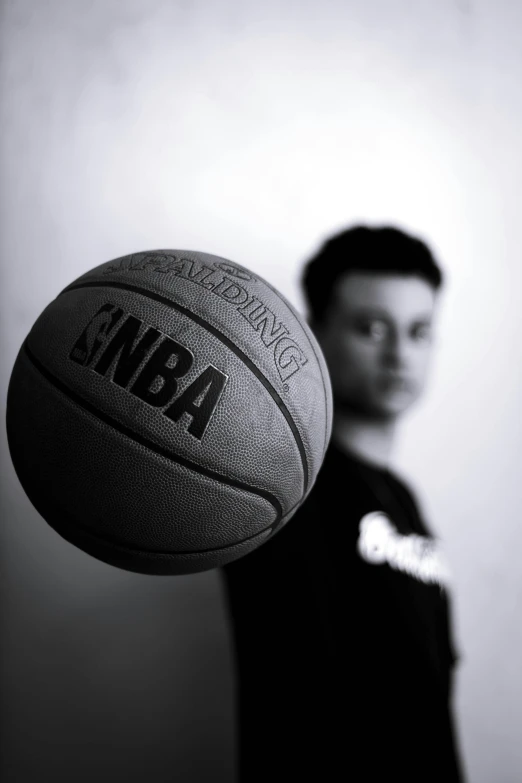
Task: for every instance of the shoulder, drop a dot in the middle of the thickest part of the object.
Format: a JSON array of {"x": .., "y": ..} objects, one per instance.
[
  {"x": 403, "y": 485},
  {"x": 341, "y": 477},
  {"x": 409, "y": 497}
]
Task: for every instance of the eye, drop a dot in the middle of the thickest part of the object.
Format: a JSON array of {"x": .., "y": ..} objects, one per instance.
[
  {"x": 421, "y": 332},
  {"x": 374, "y": 329}
]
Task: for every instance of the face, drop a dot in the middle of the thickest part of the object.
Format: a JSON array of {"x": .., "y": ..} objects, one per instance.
[{"x": 377, "y": 340}]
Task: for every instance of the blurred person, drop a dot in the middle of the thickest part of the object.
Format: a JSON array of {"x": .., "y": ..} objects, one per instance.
[{"x": 341, "y": 622}]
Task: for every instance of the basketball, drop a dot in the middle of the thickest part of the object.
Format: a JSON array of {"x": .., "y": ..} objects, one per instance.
[{"x": 168, "y": 412}]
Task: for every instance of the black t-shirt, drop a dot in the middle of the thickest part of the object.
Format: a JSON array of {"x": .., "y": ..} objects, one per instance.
[{"x": 343, "y": 640}]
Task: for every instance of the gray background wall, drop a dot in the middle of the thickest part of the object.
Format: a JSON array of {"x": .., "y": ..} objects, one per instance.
[{"x": 252, "y": 130}]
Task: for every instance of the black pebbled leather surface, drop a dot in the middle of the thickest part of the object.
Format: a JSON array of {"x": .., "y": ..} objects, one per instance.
[{"x": 121, "y": 480}]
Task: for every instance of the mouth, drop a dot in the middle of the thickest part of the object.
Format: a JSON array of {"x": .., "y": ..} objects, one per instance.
[{"x": 396, "y": 383}]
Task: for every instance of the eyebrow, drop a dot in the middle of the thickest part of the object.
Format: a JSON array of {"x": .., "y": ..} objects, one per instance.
[{"x": 372, "y": 312}]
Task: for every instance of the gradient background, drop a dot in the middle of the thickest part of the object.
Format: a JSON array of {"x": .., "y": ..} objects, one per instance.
[{"x": 252, "y": 130}]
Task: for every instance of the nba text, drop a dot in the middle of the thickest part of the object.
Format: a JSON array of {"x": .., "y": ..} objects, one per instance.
[{"x": 149, "y": 365}]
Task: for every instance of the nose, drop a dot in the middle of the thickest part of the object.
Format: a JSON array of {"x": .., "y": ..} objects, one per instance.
[{"x": 396, "y": 352}]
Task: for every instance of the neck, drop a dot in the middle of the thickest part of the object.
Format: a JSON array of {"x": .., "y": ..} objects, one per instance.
[{"x": 369, "y": 439}]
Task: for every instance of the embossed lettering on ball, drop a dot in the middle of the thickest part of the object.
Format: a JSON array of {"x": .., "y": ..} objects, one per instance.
[{"x": 168, "y": 412}]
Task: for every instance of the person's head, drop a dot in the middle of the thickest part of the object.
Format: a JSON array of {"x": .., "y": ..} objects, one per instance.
[{"x": 371, "y": 294}]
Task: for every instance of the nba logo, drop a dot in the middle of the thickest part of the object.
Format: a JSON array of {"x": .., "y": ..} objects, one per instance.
[{"x": 95, "y": 333}]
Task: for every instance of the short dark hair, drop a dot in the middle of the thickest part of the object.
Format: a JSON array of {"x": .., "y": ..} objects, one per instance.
[{"x": 382, "y": 249}]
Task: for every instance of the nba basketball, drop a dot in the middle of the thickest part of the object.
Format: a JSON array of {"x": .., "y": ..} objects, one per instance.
[{"x": 168, "y": 412}]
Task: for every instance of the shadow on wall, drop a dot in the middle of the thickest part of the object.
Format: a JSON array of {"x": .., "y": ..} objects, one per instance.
[{"x": 132, "y": 684}]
